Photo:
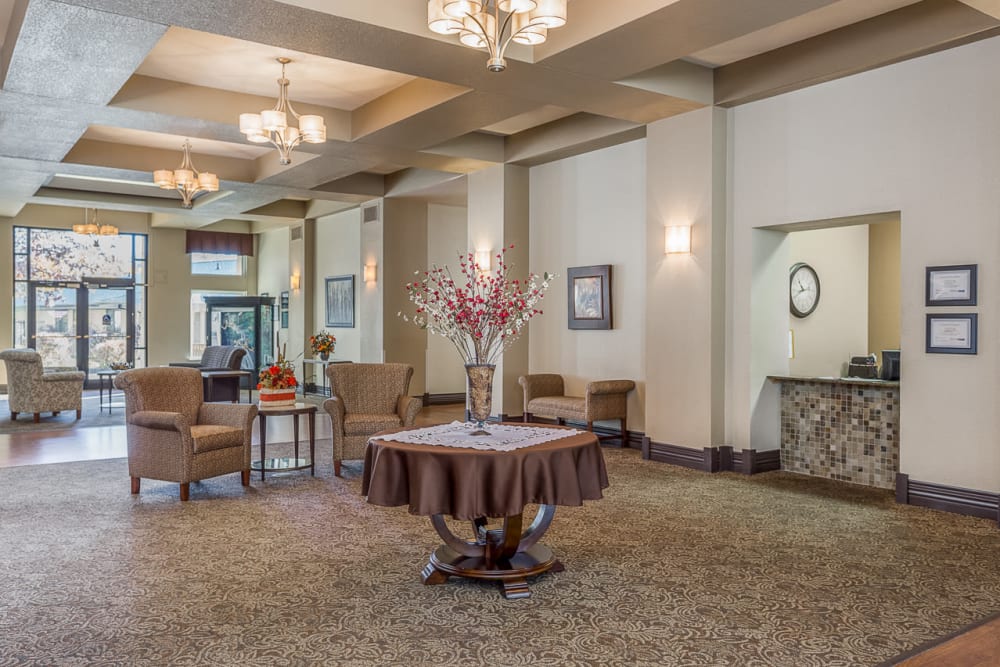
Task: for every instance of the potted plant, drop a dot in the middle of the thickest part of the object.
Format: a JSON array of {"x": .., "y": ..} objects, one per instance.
[
  {"x": 323, "y": 344},
  {"x": 276, "y": 383}
]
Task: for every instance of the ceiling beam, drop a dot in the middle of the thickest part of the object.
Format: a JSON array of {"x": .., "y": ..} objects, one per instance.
[{"x": 905, "y": 33}]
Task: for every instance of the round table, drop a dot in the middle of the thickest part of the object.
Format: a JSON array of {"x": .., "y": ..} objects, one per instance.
[
  {"x": 286, "y": 463},
  {"x": 474, "y": 485}
]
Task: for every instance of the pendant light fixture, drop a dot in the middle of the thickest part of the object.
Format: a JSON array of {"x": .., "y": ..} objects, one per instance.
[
  {"x": 92, "y": 228},
  {"x": 186, "y": 179},
  {"x": 271, "y": 125}
]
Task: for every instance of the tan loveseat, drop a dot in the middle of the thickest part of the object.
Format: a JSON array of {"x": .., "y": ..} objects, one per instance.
[{"x": 545, "y": 394}]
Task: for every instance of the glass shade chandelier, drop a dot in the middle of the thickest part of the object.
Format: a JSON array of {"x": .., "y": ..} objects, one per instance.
[
  {"x": 482, "y": 24},
  {"x": 186, "y": 179},
  {"x": 91, "y": 227},
  {"x": 271, "y": 125}
]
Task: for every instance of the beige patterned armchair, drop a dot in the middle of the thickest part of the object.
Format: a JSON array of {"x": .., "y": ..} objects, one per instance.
[
  {"x": 367, "y": 398},
  {"x": 174, "y": 436},
  {"x": 33, "y": 390}
]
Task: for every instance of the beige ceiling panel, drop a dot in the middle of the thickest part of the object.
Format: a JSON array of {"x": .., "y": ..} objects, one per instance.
[
  {"x": 990, "y": 7},
  {"x": 143, "y": 93},
  {"x": 401, "y": 103},
  {"x": 119, "y": 135},
  {"x": 368, "y": 184},
  {"x": 673, "y": 32},
  {"x": 480, "y": 145},
  {"x": 215, "y": 61},
  {"x": 905, "y": 33},
  {"x": 810, "y": 24},
  {"x": 143, "y": 159},
  {"x": 525, "y": 121},
  {"x": 562, "y": 137}
]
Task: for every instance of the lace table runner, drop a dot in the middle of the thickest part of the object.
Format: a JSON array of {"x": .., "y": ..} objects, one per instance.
[{"x": 502, "y": 438}]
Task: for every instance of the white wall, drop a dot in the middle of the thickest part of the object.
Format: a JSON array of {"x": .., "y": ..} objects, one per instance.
[
  {"x": 895, "y": 138},
  {"x": 338, "y": 253},
  {"x": 591, "y": 209},
  {"x": 826, "y": 339},
  {"x": 447, "y": 239}
]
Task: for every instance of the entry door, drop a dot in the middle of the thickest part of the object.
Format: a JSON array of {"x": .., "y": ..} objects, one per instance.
[{"x": 83, "y": 326}]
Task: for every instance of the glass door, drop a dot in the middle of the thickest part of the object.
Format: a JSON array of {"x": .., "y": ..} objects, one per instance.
[
  {"x": 54, "y": 324},
  {"x": 110, "y": 312},
  {"x": 87, "y": 326}
]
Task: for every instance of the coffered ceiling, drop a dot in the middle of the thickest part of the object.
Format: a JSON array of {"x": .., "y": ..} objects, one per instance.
[{"x": 96, "y": 94}]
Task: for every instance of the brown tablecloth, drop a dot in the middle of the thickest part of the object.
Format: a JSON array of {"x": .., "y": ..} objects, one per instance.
[{"x": 470, "y": 483}]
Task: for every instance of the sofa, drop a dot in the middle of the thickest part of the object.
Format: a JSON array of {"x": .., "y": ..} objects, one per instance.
[
  {"x": 219, "y": 358},
  {"x": 545, "y": 394}
]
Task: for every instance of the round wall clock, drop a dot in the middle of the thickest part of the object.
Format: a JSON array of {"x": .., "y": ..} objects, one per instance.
[{"x": 803, "y": 289}]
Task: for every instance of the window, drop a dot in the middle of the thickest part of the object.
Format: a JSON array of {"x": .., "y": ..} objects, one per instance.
[
  {"x": 212, "y": 264},
  {"x": 199, "y": 313}
]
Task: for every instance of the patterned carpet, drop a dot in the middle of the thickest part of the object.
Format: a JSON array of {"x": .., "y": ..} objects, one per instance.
[
  {"x": 673, "y": 567},
  {"x": 92, "y": 415}
]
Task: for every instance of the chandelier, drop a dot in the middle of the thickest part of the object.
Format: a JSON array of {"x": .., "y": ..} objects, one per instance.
[
  {"x": 271, "y": 125},
  {"x": 92, "y": 228},
  {"x": 478, "y": 23},
  {"x": 186, "y": 179}
]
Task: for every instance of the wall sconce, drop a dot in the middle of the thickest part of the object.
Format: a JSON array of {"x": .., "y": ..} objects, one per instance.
[
  {"x": 369, "y": 273},
  {"x": 483, "y": 261},
  {"x": 294, "y": 281},
  {"x": 678, "y": 240}
]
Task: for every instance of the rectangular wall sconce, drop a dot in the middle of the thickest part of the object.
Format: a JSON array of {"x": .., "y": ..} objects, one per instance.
[
  {"x": 294, "y": 281},
  {"x": 483, "y": 258},
  {"x": 369, "y": 273},
  {"x": 678, "y": 239}
]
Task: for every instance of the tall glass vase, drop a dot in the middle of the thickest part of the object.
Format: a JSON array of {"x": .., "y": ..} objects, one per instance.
[{"x": 480, "y": 394}]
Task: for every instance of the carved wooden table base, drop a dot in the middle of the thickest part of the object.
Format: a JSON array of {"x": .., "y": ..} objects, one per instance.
[{"x": 507, "y": 555}]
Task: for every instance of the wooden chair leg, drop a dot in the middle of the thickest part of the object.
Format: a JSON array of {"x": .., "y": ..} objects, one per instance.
[
  {"x": 624, "y": 434},
  {"x": 526, "y": 417},
  {"x": 185, "y": 491},
  {"x": 79, "y": 413},
  {"x": 245, "y": 477},
  {"x": 38, "y": 417},
  {"x": 590, "y": 426},
  {"x": 336, "y": 467},
  {"x": 135, "y": 485},
  {"x": 56, "y": 413},
  {"x": 13, "y": 416},
  {"x": 560, "y": 421}
]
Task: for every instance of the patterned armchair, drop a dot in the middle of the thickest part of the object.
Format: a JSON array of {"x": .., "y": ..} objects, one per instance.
[
  {"x": 544, "y": 393},
  {"x": 366, "y": 399},
  {"x": 174, "y": 436},
  {"x": 33, "y": 390}
]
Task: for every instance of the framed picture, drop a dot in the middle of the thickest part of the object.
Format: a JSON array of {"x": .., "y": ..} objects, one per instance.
[
  {"x": 589, "y": 297},
  {"x": 340, "y": 302},
  {"x": 951, "y": 285},
  {"x": 284, "y": 319},
  {"x": 952, "y": 333},
  {"x": 284, "y": 301}
]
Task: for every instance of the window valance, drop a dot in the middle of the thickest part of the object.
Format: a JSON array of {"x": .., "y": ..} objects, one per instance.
[{"x": 219, "y": 243}]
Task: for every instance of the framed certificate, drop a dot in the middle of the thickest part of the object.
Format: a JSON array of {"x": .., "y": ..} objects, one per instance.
[
  {"x": 951, "y": 285},
  {"x": 952, "y": 334}
]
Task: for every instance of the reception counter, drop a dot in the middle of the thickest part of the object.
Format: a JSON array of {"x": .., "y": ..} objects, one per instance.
[{"x": 840, "y": 428}]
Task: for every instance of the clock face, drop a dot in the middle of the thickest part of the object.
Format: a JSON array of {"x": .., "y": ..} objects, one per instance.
[{"x": 803, "y": 290}]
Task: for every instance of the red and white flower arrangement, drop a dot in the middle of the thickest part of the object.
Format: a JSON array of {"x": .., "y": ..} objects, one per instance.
[
  {"x": 484, "y": 316},
  {"x": 276, "y": 383}
]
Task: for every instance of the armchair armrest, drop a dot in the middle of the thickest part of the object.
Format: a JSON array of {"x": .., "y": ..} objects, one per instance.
[
  {"x": 610, "y": 387},
  {"x": 407, "y": 408},
  {"x": 64, "y": 376},
  {"x": 237, "y": 415},
  {"x": 336, "y": 409},
  {"x": 163, "y": 421},
  {"x": 541, "y": 384}
]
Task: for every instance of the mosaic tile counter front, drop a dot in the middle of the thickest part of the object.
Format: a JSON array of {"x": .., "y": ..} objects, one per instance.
[{"x": 841, "y": 429}]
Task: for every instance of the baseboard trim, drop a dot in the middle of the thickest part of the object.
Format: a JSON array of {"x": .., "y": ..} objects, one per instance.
[
  {"x": 954, "y": 499},
  {"x": 713, "y": 459},
  {"x": 633, "y": 441},
  {"x": 444, "y": 399}
]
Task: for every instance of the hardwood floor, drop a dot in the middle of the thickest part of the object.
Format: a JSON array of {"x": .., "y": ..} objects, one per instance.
[
  {"x": 978, "y": 646},
  {"x": 108, "y": 442}
]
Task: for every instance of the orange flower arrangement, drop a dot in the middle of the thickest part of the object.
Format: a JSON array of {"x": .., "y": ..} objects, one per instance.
[{"x": 279, "y": 375}]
